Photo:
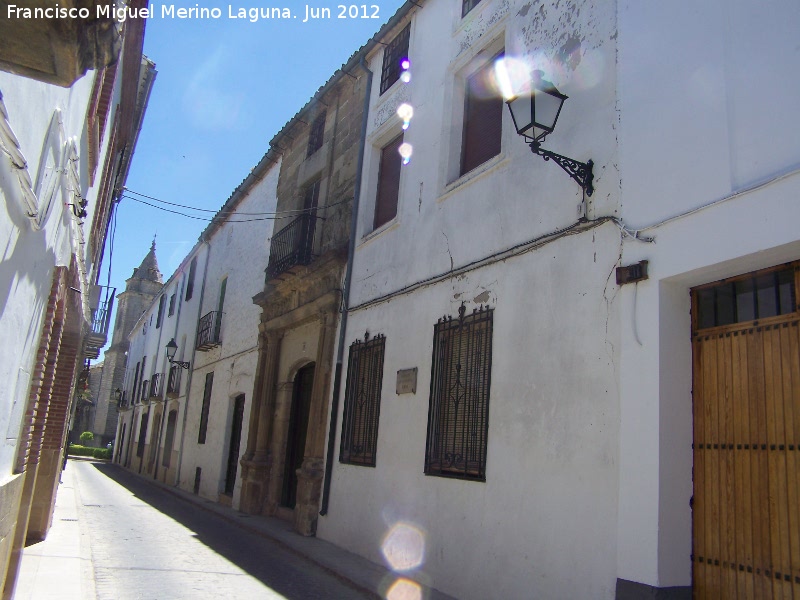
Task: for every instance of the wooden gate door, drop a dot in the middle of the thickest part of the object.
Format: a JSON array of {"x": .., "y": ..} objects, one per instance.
[{"x": 746, "y": 396}]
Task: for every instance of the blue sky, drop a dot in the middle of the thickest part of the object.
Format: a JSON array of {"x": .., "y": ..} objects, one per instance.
[{"x": 224, "y": 88}]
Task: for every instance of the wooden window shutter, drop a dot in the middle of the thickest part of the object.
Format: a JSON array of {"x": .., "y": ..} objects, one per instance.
[
  {"x": 483, "y": 120},
  {"x": 388, "y": 182}
]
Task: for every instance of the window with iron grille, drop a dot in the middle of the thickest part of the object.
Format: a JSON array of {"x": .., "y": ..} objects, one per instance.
[
  {"x": 388, "y": 182},
  {"x": 483, "y": 119},
  {"x": 316, "y": 136},
  {"x": 362, "y": 403},
  {"x": 393, "y": 55},
  {"x": 458, "y": 413},
  {"x": 468, "y": 5},
  {"x": 201, "y": 436},
  {"x": 745, "y": 298}
]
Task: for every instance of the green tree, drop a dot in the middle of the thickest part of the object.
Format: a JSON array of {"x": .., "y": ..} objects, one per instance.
[{"x": 86, "y": 437}]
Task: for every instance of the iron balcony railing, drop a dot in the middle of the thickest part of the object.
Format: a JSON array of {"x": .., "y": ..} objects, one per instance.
[
  {"x": 101, "y": 303},
  {"x": 208, "y": 330},
  {"x": 174, "y": 381},
  {"x": 155, "y": 385},
  {"x": 292, "y": 246}
]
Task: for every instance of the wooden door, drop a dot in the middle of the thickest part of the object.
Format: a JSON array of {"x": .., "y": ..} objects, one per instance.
[
  {"x": 746, "y": 397},
  {"x": 233, "y": 449},
  {"x": 298, "y": 430}
]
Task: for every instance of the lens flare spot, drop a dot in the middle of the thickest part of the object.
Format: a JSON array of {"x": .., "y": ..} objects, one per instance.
[
  {"x": 405, "y": 150},
  {"x": 404, "y": 545},
  {"x": 405, "y": 64},
  {"x": 405, "y": 111},
  {"x": 404, "y": 589},
  {"x": 405, "y": 76},
  {"x": 513, "y": 77}
]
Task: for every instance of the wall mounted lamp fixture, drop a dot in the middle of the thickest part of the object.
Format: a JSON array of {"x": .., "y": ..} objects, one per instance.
[
  {"x": 118, "y": 396},
  {"x": 535, "y": 113},
  {"x": 172, "y": 348}
]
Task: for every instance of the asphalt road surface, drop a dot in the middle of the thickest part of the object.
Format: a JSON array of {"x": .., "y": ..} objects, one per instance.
[{"x": 147, "y": 543}]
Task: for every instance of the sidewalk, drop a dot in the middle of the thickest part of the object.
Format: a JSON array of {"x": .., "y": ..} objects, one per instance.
[{"x": 61, "y": 566}]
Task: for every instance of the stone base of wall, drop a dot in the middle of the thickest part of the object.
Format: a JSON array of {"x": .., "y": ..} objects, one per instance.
[
  {"x": 44, "y": 497},
  {"x": 10, "y": 494},
  {"x": 631, "y": 590}
]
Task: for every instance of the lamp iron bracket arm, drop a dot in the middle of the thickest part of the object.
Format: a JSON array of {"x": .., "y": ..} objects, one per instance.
[{"x": 580, "y": 172}]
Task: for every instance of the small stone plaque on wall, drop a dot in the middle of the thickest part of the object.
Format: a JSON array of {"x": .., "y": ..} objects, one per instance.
[{"x": 407, "y": 381}]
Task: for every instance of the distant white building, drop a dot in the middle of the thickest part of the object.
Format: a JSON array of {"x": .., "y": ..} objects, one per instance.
[
  {"x": 516, "y": 423},
  {"x": 183, "y": 424}
]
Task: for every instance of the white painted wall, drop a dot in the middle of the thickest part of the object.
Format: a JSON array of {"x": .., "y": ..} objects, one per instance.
[
  {"x": 706, "y": 106},
  {"x": 544, "y": 524},
  {"x": 45, "y": 119},
  {"x": 238, "y": 251}
]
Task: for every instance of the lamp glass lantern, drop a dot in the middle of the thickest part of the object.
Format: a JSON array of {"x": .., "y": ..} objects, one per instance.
[
  {"x": 172, "y": 348},
  {"x": 536, "y": 111}
]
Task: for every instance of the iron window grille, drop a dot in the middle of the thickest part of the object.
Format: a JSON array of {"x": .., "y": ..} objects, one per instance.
[
  {"x": 746, "y": 298},
  {"x": 208, "y": 330},
  {"x": 316, "y": 136},
  {"x": 468, "y": 5},
  {"x": 458, "y": 413},
  {"x": 155, "y": 385},
  {"x": 393, "y": 55},
  {"x": 362, "y": 403},
  {"x": 174, "y": 381}
]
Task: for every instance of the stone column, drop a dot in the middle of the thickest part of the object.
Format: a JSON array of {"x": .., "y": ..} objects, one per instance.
[
  {"x": 257, "y": 461},
  {"x": 309, "y": 477}
]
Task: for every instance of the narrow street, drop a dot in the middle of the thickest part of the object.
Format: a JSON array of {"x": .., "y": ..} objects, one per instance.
[{"x": 138, "y": 540}]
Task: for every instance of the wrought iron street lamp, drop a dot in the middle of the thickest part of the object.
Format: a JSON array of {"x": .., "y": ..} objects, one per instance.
[
  {"x": 172, "y": 348},
  {"x": 118, "y": 396},
  {"x": 535, "y": 113}
]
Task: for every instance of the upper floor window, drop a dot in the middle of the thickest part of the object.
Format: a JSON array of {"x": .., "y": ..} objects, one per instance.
[
  {"x": 171, "y": 310},
  {"x": 362, "y": 402},
  {"x": 468, "y": 5},
  {"x": 483, "y": 119},
  {"x": 458, "y": 412},
  {"x": 160, "y": 316},
  {"x": 388, "y": 182},
  {"x": 190, "y": 283},
  {"x": 316, "y": 135},
  {"x": 393, "y": 55}
]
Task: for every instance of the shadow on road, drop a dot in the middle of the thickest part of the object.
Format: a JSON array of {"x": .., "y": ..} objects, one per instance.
[{"x": 280, "y": 568}]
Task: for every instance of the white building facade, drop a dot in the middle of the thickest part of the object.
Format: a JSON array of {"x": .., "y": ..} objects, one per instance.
[
  {"x": 181, "y": 421},
  {"x": 66, "y": 142},
  {"x": 515, "y": 422}
]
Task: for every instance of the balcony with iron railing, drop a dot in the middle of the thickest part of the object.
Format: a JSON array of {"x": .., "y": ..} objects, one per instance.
[
  {"x": 292, "y": 247},
  {"x": 101, "y": 303},
  {"x": 208, "y": 331},
  {"x": 156, "y": 385},
  {"x": 174, "y": 381}
]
